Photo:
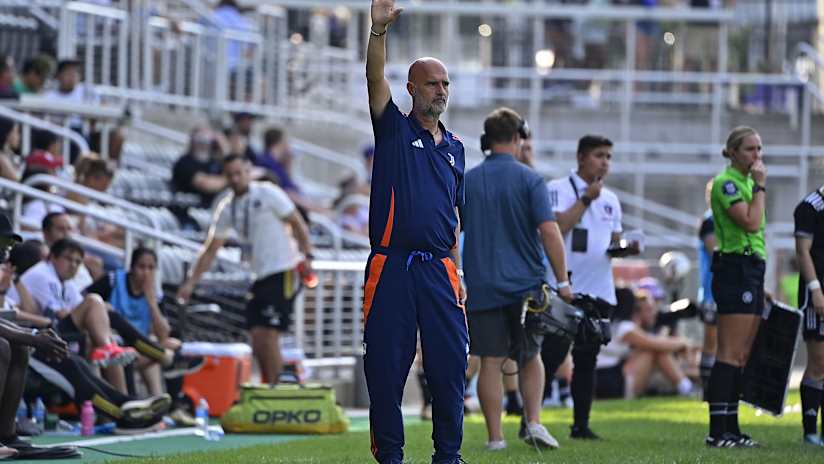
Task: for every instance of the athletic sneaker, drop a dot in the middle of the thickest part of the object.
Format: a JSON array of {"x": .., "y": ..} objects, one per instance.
[
  {"x": 140, "y": 411},
  {"x": 538, "y": 435},
  {"x": 182, "y": 418},
  {"x": 496, "y": 445},
  {"x": 746, "y": 441},
  {"x": 181, "y": 366},
  {"x": 522, "y": 428},
  {"x": 582, "y": 433},
  {"x": 813, "y": 439},
  {"x": 726, "y": 440},
  {"x": 113, "y": 355}
]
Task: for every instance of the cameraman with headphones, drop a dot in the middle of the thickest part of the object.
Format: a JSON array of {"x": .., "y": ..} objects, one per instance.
[{"x": 506, "y": 203}]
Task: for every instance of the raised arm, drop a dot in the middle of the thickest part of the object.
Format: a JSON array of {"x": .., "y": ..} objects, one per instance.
[{"x": 384, "y": 13}]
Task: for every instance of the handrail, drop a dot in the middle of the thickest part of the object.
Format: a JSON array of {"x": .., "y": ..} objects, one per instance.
[
  {"x": 97, "y": 10},
  {"x": 41, "y": 104},
  {"x": 29, "y": 120},
  {"x": 45, "y": 179},
  {"x": 160, "y": 131},
  {"x": 531, "y": 10},
  {"x": 130, "y": 227}
]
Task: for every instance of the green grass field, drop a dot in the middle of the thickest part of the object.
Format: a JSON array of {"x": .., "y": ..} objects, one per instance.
[{"x": 660, "y": 430}]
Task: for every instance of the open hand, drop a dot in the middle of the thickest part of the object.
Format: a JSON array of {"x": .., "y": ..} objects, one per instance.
[{"x": 384, "y": 13}]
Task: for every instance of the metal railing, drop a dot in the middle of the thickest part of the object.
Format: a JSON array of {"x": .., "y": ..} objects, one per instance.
[
  {"x": 99, "y": 35},
  {"x": 103, "y": 199}
]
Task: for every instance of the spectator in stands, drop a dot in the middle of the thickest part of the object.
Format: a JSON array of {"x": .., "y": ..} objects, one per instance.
[
  {"x": 11, "y": 164},
  {"x": 229, "y": 16},
  {"x": 56, "y": 297},
  {"x": 58, "y": 226},
  {"x": 278, "y": 159},
  {"x": 7, "y": 77},
  {"x": 21, "y": 258},
  {"x": 70, "y": 90},
  {"x": 198, "y": 170},
  {"x": 262, "y": 218},
  {"x": 624, "y": 366},
  {"x": 240, "y": 136},
  {"x": 133, "y": 295},
  {"x": 45, "y": 158},
  {"x": 33, "y": 75},
  {"x": 95, "y": 174}
]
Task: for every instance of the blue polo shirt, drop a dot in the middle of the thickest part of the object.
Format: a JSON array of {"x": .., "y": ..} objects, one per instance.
[
  {"x": 416, "y": 185},
  {"x": 503, "y": 256}
]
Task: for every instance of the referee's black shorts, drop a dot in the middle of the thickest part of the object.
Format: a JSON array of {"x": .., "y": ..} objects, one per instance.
[{"x": 738, "y": 283}]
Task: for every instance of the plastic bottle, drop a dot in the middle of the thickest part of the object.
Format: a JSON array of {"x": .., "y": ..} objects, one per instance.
[
  {"x": 308, "y": 276},
  {"x": 202, "y": 418},
  {"x": 22, "y": 411},
  {"x": 87, "y": 419},
  {"x": 39, "y": 414}
]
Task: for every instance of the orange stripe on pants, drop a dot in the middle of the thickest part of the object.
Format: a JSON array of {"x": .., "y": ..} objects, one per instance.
[
  {"x": 375, "y": 270},
  {"x": 452, "y": 272}
]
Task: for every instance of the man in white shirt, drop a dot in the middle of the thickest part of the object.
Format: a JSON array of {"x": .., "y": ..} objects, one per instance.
[
  {"x": 264, "y": 221},
  {"x": 589, "y": 216},
  {"x": 57, "y": 226},
  {"x": 55, "y": 296}
]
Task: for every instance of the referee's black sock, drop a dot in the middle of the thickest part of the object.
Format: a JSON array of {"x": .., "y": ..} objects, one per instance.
[
  {"x": 705, "y": 369},
  {"x": 811, "y": 400},
  {"x": 721, "y": 391},
  {"x": 732, "y": 401}
]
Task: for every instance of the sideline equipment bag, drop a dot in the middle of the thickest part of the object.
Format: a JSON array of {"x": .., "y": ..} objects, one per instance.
[{"x": 286, "y": 408}]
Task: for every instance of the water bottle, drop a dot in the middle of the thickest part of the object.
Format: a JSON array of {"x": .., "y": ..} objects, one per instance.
[
  {"x": 22, "y": 411},
  {"x": 40, "y": 413},
  {"x": 202, "y": 418},
  {"x": 87, "y": 419}
]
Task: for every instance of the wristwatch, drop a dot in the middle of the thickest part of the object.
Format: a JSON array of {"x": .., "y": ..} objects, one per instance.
[
  {"x": 460, "y": 273},
  {"x": 758, "y": 188},
  {"x": 586, "y": 200}
]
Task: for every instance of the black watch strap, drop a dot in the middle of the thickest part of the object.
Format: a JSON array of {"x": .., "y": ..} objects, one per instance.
[
  {"x": 586, "y": 200},
  {"x": 758, "y": 188}
]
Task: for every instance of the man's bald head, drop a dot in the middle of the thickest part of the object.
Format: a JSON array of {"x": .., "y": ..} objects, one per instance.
[
  {"x": 428, "y": 85},
  {"x": 421, "y": 67}
]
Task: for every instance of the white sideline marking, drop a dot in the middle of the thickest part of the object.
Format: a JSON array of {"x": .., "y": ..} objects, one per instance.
[{"x": 128, "y": 438}]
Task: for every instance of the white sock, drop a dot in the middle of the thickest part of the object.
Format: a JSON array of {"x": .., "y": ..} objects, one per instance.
[{"x": 684, "y": 386}]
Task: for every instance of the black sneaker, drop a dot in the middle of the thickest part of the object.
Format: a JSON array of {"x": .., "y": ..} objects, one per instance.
[
  {"x": 522, "y": 429},
  {"x": 726, "y": 440},
  {"x": 183, "y": 365},
  {"x": 746, "y": 441},
  {"x": 582, "y": 433}
]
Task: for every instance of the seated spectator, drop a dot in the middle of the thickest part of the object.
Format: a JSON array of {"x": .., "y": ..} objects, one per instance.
[
  {"x": 7, "y": 77},
  {"x": 11, "y": 164},
  {"x": 133, "y": 295},
  {"x": 70, "y": 90},
  {"x": 199, "y": 170},
  {"x": 95, "y": 174},
  {"x": 56, "y": 227},
  {"x": 625, "y": 365},
  {"x": 240, "y": 134},
  {"x": 45, "y": 158},
  {"x": 278, "y": 159},
  {"x": 33, "y": 75},
  {"x": 56, "y": 297}
]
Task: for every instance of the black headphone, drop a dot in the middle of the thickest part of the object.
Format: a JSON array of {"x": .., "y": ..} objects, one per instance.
[{"x": 523, "y": 131}]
